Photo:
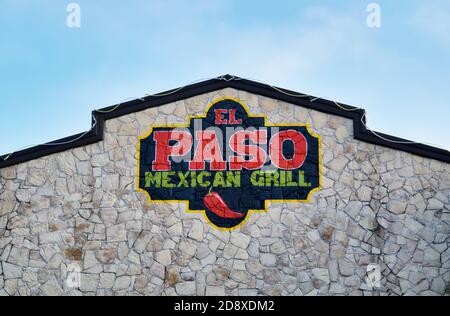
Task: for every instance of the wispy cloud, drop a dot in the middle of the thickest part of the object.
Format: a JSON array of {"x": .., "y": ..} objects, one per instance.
[{"x": 286, "y": 53}]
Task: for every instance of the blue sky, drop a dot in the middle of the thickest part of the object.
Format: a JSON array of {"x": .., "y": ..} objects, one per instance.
[{"x": 52, "y": 76}]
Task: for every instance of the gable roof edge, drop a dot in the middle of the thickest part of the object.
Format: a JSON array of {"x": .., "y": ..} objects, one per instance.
[{"x": 99, "y": 117}]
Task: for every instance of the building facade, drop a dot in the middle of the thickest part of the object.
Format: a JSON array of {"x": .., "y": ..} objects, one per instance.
[{"x": 75, "y": 221}]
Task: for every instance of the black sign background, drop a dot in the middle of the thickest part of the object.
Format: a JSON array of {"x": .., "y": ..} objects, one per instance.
[{"x": 247, "y": 197}]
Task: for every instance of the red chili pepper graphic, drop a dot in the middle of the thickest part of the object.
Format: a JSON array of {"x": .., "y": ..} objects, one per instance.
[{"x": 214, "y": 202}]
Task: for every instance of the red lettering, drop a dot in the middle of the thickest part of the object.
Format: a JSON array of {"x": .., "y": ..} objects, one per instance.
[
  {"x": 164, "y": 150},
  {"x": 219, "y": 116},
  {"x": 276, "y": 150},
  {"x": 238, "y": 145},
  {"x": 246, "y": 145},
  {"x": 208, "y": 149},
  {"x": 233, "y": 120},
  {"x": 220, "y": 120}
]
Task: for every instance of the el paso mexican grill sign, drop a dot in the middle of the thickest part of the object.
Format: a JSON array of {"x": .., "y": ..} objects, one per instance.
[{"x": 229, "y": 163}]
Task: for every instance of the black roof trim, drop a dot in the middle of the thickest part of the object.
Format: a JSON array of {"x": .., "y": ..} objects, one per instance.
[{"x": 326, "y": 106}]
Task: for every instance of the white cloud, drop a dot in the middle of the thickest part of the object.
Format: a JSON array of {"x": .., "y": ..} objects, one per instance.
[
  {"x": 286, "y": 53},
  {"x": 289, "y": 53}
]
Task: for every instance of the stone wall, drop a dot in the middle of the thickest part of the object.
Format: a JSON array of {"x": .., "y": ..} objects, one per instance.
[{"x": 80, "y": 209}]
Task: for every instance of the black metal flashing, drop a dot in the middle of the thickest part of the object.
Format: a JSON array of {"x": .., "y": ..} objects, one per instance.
[{"x": 325, "y": 106}]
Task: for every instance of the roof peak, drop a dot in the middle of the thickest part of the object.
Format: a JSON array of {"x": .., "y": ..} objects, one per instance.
[{"x": 361, "y": 132}]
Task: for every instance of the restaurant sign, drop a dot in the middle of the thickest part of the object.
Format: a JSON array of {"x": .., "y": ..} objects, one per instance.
[{"x": 229, "y": 163}]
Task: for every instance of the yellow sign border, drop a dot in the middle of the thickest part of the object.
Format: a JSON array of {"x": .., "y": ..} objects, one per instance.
[{"x": 266, "y": 202}]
